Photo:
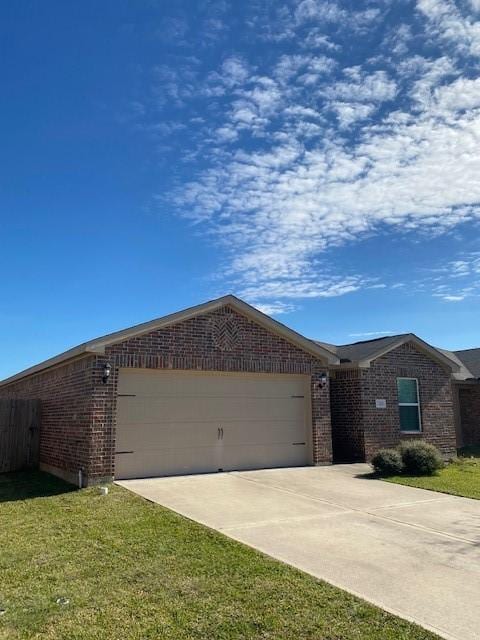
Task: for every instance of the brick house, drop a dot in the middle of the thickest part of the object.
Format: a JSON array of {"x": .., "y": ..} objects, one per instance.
[
  {"x": 388, "y": 390},
  {"x": 219, "y": 386},
  {"x": 466, "y": 395},
  {"x": 222, "y": 386}
]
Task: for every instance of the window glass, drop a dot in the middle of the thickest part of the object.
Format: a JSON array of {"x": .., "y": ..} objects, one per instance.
[
  {"x": 407, "y": 391},
  {"x": 409, "y": 418},
  {"x": 408, "y": 404}
]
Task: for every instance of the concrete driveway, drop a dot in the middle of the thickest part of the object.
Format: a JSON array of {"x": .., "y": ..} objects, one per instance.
[{"x": 414, "y": 553}]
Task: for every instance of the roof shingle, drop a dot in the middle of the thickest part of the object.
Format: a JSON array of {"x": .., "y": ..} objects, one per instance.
[{"x": 471, "y": 359}]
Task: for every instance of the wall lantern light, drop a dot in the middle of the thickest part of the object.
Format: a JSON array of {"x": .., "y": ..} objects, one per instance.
[
  {"x": 322, "y": 383},
  {"x": 107, "y": 370}
]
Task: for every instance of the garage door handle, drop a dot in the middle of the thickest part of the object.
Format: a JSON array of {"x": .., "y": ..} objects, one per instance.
[
  {"x": 299, "y": 443},
  {"x": 118, "y": 453},
  {"x": 220, "y": 433}
]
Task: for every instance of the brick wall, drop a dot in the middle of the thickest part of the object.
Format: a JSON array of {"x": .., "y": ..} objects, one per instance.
[
  {"x": 382, "y": 426},
  {"x": 78, "y": 424},
  {"x": 66, "y": 415},
  {"x": 347, "y": 416},
  {"x": 359, "y": 429},
  {"x": 469, "y": 405},
  {"x": 78, "y": 410},
  {"x": 224, "y": 340}
]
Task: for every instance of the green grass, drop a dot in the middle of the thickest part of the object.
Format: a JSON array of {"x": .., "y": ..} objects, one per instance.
[
  {"x": 460, "y": 477},
  {"x": 132, "y": 570}
]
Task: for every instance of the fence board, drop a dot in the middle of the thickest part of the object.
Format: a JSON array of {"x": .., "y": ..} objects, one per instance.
[{"x": 19, "y": 434}]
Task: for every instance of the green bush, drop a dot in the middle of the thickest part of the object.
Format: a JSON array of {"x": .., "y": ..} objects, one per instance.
[
  {"x": 420, "y": 458},
  {"x": 387, "y": 462}
]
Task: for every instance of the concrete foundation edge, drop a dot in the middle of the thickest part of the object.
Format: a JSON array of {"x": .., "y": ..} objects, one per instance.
[{"x": 72, "y": 477}]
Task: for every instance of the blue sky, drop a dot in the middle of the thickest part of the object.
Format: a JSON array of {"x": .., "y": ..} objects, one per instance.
[{"x": 320, "y": 159}]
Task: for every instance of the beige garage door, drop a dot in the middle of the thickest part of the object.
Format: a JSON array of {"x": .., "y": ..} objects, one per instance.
[{"x": 180, "y": 422}]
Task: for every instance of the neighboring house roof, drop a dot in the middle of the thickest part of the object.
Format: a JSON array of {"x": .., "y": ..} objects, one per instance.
[
  {"x": 363, "y": 353},
  {"x": 363, "y": 350},
  {"x": 471, "y": 359},
  {"x": 97, "y": 345},
  {"x": 468, "y": 361}
]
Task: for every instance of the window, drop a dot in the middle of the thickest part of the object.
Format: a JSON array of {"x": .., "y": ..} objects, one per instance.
[{"x": 409, "y": 404}]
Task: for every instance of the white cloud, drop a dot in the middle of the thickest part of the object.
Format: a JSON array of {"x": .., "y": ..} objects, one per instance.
[
  {"x": 372, "y": 334},
  {"x": 456, "y": 280},
  {"x": 430, "y": 75},
  {"x": 459, "y": 268},
  {"x": 281, "y": 208},
  {"x": 448, "y": 23},
  {"x": 306, "y": 70},
  {"x": 452, "y": 298},
  {"x": 327, "y": 12},
  {"x": 300, "y": 156},
  {"x": 348, "y": 113},
  {"x": 302, "y": 287},
  {"x": 302, "y": 112},
  {"x": 274, "y": 308},
  {"x": 288, "y": 66},
  {"x": 265, "y": 94},
  {"x": 463, "y": 94},
  {"x": 457, "y": 296},
  {"x": 234, "y": 71},
  {"x": 226, "y": 134},
  {"x": 316, "y": 39},
  {"x": 398, "y": 42},
  {"x": 318, "y": 11},
  {"x": 363, "y": 87},
  {"x": 464, "y": 266}
]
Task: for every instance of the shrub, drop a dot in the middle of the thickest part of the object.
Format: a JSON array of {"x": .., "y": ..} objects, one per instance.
[
  {"x": 387, "y": 462},
  {"x": 420, "y": 458}
]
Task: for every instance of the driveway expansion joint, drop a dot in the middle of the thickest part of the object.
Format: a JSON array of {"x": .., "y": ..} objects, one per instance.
[{"x": 370, "y": 511}]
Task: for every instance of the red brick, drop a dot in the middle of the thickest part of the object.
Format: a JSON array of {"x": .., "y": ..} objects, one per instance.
[
  {"x": 360, "y": 429},
  {"x": 78, "y": 410}
]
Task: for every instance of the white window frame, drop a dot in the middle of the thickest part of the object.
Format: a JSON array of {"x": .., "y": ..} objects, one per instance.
[{"x": 411, "y": 404}]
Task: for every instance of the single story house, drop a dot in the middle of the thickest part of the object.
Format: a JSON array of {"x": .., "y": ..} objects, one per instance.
[
  {"x": 466, "y": 395},
  {"x": 222, "y": 386},
  {"x": 388, "y": 390},
  {"x": 218, "y": 386}
]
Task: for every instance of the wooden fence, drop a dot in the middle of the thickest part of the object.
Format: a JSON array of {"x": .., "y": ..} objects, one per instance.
[{"x": 19, "y": 434}]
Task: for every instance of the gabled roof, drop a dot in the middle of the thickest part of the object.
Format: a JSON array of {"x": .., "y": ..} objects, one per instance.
[
  {"x": 362, "y": 353},
  {"x": 471, "y": 359},
  {"x": 468, "y": 361},
  {"x": 365, "y": 349},
  {"x": 97, "y": 345}
]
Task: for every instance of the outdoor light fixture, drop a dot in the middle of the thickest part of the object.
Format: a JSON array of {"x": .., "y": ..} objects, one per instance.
[
  {"x": 107, "y": 370},
  {"x": 322, "y": 383}
]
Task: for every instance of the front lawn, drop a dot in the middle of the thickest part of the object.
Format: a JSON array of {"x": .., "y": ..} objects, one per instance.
[
  {"x": 460, "y": 478},
  {"x": 78, "y": 565}
]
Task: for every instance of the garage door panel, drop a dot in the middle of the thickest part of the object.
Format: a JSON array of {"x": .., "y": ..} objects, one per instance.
[
  {"x": 143, "y": 382},
  {"x": 166, "y": 435},
  {"x": 176, "y": 434},
  {"x": 262, "y": 456},
  {"x": 213, "y": 408},
  {"x": 262, "y": 432},
  {"x": 189, "y": 422},
  {"x": 148, "y": 463}
]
